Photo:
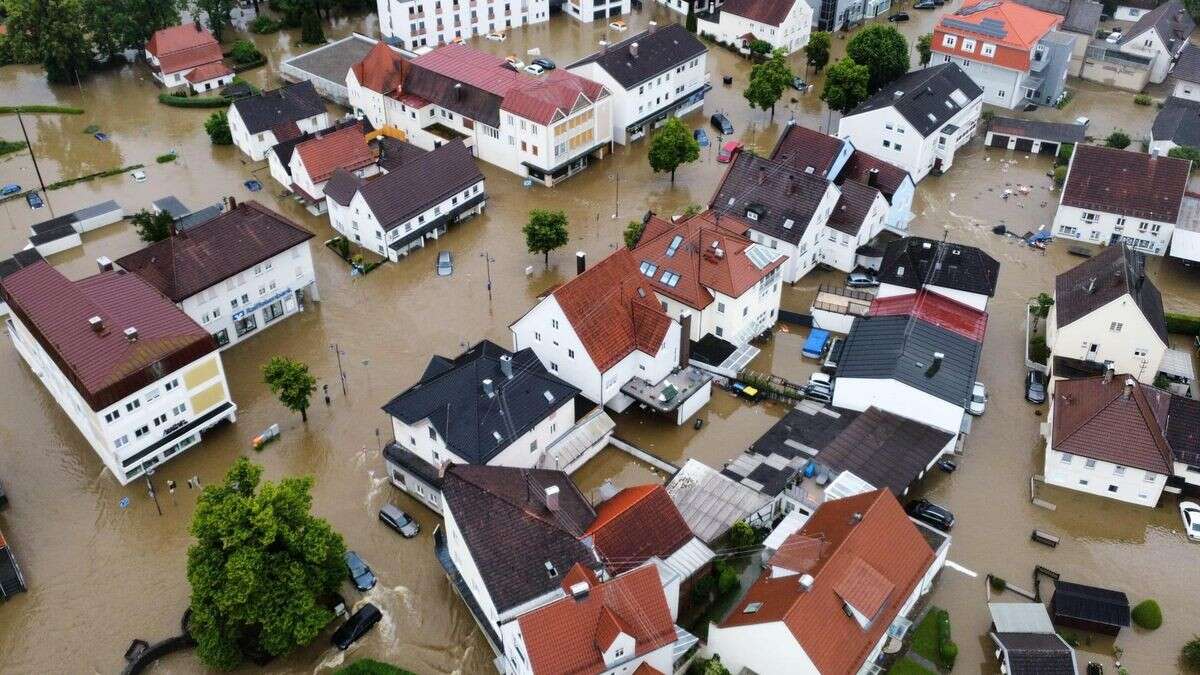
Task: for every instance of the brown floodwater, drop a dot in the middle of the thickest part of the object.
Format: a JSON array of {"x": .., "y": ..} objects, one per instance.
[{"x": 100, "y": 575}]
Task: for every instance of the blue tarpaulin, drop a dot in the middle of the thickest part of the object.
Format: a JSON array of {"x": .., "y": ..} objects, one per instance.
[{"x": 814, "y": 346}]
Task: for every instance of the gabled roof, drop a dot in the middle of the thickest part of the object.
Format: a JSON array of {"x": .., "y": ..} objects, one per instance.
[
  {"x": 1170, "y": 20},
  {"x": 474, "y": 425},
  {"x": 1126, "y": 183},
  {"x": 1179, "y": 119},
  {"x": 872, "y": 559},
  {"x": 784, "y": 197},
  {"x": 888, "y": 177},
  {"x": 182, "y": 47},
  {"x": 613, "y": 311},
  {"x": 1187, "y": 68},
  {"x": 927, "y": 98},
  {"x": 552, "y": 96},
  {"x": 189, "y": 262},
  {"x": 287, "y": 104},
  {"x": 886, "y": 450},
  {"x": 570, "y": 635},
  {"x": 1110, "y": 274},
  {"x": 104, "y": 366},
  {"x": 1113, "y": 421},
  {"x": 382, "y": 70},
  {"x": 344, "y": 149},
  {"x": 636, "y": 524},
  {"x": 658, "y": 51},
  {"x": 1090, "y": 603},
  {"x": 1036, "y": 654},
  {"x": 1183, "y": 429},
  {"x": 1020, "y": 617},
  {"x": 417, "y": 185},
  {"x": 770, "y": 12},
  {"x": 286, "y": 146},
  {"x": 808, "y": 150},
  {"x": 913, "y": 262},
  {"x": 208, "y": 71},
  {"x": 852, "y": 208},
  {"x": 510, "y": 532}
]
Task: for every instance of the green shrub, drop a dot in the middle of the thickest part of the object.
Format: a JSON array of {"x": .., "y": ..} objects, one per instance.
[
  {"x": 1118, "y": 139},
  {"x": 1143, "y": 99},
  {"x": 1183, "y": 323},
  {"x": 703, "y": 589},
  {"x": 1066, "y": 98},
  {"x": 1060, "y": 175},
  {"x": 217, "y": 128},
  {"x": 741, "y": 535},
  {"x": 760, "y": 47},
  {"x": 7, "y": 147},
  {"x": 1038, "y": 353},
  {"x": 1191, "y": 654},
  {"x": 728, "y": 582},
  {"x": 264, "y": 24},
  {"x": 1147, "y": 614},
  {"x": 33, "y": 109},
  {"x": 1064, "y": 154},
  {"x": 371, "y": 667},
  {"x": 711, "y": 666},
  {"x": 244, "y": 52},
  {"x": 949, "y": 652},
  {"x": 178, "y": 101},
  {"x": 99, "y": 174},
  {"x": 1070, "y": 638},
  {"x": 997, "y": 583},
  {"x": 168, "y": 157}
]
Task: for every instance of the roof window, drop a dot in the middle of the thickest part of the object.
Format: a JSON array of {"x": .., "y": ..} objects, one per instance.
[{"x": 672, "y": 248}]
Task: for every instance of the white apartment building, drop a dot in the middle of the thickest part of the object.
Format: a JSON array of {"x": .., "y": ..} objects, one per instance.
[
  {"x": 257, "y": 123},
  {"x": 140, "y": 380},
  {"x": 784, "y": 24},
  {"x": 428, "y": 23},
  {"x": 654, "y": 75},
  {"x": 235, "y": 274},
  {"x": 587, "y": 11}
]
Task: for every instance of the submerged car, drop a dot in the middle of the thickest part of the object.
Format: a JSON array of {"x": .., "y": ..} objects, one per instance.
[
  {"x": 1035, "y": 387},
  {"x": 356, "y": 626},
  {"x": 931, "y": 514},
  {"x": 728, "y": 150},
  {"x": 544, "y": 62},
  {"x": 701, "y": 137},
  {"x": 34, "y": 200},
  {"x": 399, "y": 521},
  {"x": 899, "y": 16},
  {"x": 363, "y": 577},
  {"x": 445, "y": 264}
]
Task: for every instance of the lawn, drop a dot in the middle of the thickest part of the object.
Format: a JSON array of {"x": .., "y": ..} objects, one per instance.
[
  {"x": 908, "y": 667},
  {"x": 372, "y": 667},
  {"x": 925, "y": 636}
]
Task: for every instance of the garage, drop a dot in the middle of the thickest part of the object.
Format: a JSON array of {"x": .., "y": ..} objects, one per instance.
[
  {"x": 1023, "y": 145},
  {"x": 997, "y": 141},
  {"x": 1031, "y": 136}
]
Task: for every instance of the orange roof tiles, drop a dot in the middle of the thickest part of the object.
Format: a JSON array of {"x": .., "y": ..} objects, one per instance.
[
  {"x": 1021, "y": 27},
  {"x": 208, "y": 71},
  {"x": 936, "y": 309},
  {"x": 637, "y": 523},
  {"x": 345, "y": 148},
  {"x": 382, "y": 70},
  {"x": 183, "y": 47}
]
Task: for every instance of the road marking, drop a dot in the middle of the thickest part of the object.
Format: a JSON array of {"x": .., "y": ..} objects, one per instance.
[{"x": 955, "y": 566}]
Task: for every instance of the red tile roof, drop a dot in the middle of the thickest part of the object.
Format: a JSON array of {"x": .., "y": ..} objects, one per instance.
[
  {"x": 183, "y": 47},
  {"x": 1093, "y": 418},
  {"x": 104, "y": 366},
  {"x": 802, "y": 148},
  {"x": 770, "y": 12},
  {"x": 646, "y": 669},
  {"x": 1127, "y": 183},
  {"x": 612, "y": 312},
  {"x": 343, "y": 149},
  {"x": 1020, "y": 27},
  {"x": 552, "y": 96},
  {"x": 872, "y": 550},
  {"x": 935, "y": 309},
  {"x": 208, "y": 71},
  {"x": 637, "y": 523},
  {"x": 567, "y": 636},
  {"x": 382, "y": 70}
]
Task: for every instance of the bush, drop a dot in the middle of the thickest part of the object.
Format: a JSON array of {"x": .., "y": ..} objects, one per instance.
[
  {"x": 1147, "y": 614},
  {"x": 741, "y": 535},
  {"x": 1143, "y": 99},
  {"x": 263, "y": 25},
  {"x": 703, "y": 589},
  {"x": 1118, "y": 139},
  {"x": 176, "y": 101},
  {"x": 728, "y": 582},
  {"x": 371, "y": 667},
  {"x": 10, "y": 146},
  {"x": 949, "y": 652},
  {"x": 760, "y": 47},
  {"x": 998, "y": 584},
  {"x": 169, "y": 157},
  {"x": 1183, "y": 323},
  {"x": 311, "y": 31},
  {"x": 1038, "y": 353},
  {"x": 1064, "y": 154},
  {"x": 217, "y": 127},
  {"x": 1060, "y": 175},
  {"x": 244, "y": 52},
  {"x": 711, "y": 666},
  {"x": 1184, "y": 152},
  {"x": 1191, "y": 654}
]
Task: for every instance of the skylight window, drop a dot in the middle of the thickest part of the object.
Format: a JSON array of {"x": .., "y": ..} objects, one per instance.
[
  {"x": 752, "y": 608},
  {"x": 673, "y": 247},
  {"x": 669, "y": 278},
  {"x": 648, "y": 268},
  {"x": 787, "y": 224}
]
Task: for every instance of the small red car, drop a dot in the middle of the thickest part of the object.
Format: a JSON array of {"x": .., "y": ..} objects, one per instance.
[{"x": 728, "y": 150}]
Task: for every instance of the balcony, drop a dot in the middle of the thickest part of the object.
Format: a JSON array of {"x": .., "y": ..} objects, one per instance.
[{"x": 671, "y": 392}]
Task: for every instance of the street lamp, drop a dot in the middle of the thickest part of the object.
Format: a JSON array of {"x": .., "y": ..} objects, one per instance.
[
  {"x": 488, "y": 260},
  {"x": 341, "y": 373}
]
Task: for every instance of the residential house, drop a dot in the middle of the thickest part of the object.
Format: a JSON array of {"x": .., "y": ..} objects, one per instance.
[
  {"x": 1113, "y": 196},
  {"x": 587, "y": 11},
  {"x": 1187, "y": 74},
  {"x": 1081, "y": 19},
  {"x": 1132, "y": 10},
  {"x": 1016, "y": 54},
  {"x": 427, "y": 23},
  {"x": 259, "y": 122},
  {"x": 1177, "y": 124},
  {"x": 835, "y": 15},
  {"x": 1160, "y": 36},
  {"x": 543, "y": 127},
  {"x": 280, "y": 156},
  {"x": 1107, "y": 315},
  {"x": 140, "y": 379},
  {"x": 1026, "y": 642},
  {"x": 916, "y": 356},
  {"x": 918, "y": 121},
  {"x": 681, "y": 6},
  {"x": 711, "y": 502},
  {"x": 241, "y": 271},
  {"x": 418, "y": 195},
  {"x": 956, "y": 271},
  {"x": 654, "y": 75},
  {"x": 784, "y": 24},
  {"x": 606, "y": 333},
  {"x": 187, "y": 56},
  {"x": 834, "y": 593}
]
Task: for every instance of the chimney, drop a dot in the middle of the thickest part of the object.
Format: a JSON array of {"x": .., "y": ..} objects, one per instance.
[
  {"x": 96, "y": 323},
  {"x": 104, "y": 263},
  {"x": 580, "y": 262},
  {"x": 873, "y": 178},
  {"x": 936, "y": 365},
  {"x": 489, "y": 389},
  {"x": 131, "y": 334},
  {"x": 633, "y": 50},
  {"x": 1108, "y": 375},
  {"x": 806, "y": 582},
  {"x": 458, "y": 91},
  {"x": 552, "y": 497},
  {"x": 506, "y": 366},
  {"x": 579, "y": 590},
  {"x": 897, "y": 95},
  {"x": 685, "y": 338},
  {"x": 1129, "y": 384},
  {"x": 231, "y": 201},
  {"x": 604, "y": 46}
]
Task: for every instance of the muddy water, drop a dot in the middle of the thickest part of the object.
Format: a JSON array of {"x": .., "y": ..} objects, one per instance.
[{"x": 100, "y": 575}]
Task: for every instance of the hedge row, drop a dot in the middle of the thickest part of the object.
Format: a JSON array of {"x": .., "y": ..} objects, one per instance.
[
  {"x": 193, "y": 101},
  {"x": 65, "y": 110},
  {"x": 1183, "y": 323},
  {"x": 90, "y": 176}
]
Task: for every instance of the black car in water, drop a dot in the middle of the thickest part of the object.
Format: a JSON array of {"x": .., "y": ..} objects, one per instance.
[
  {"x": 1035, "y": 387},
  {"x": 356, "y": 626},
  {"x": 932, "y": 514}
]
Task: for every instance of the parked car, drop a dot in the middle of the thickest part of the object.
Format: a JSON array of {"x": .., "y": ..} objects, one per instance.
[
  {"x": 34, "y": 200},
  {"x": 701, "y": 137},
  {"x": 978, "y": 399},
  {"x": 946, "y": 464},
  {"x": 445, "y": 264},
  {"x": 925, "y": 4},
  {"x": 932, "y": 514},
  {"x": 721, "y": 123},
  {"x": 820, "y": 381},
  {"x": 861, "y": 279},
  {"x": 899, "y": 16},
  {"x": 1190, "y": 512},
  {"x": 619, "y": 25},
  {"x": 356, "y": 626},
  {"x": 139, "y": 176},
  {"x": 9, "y": 189},
  {"x": 1114, "y": 37},
  {"x": 835, "y": 353},
  {"x": 799, "y": 84},
  {"x": 1035, "y": 387},
  {"x": 728, "y": 150},
  {"x": 818, "y": 394},
  {"x": 496, "y": 37},
  {"x": 544, "y": 62},
  {"x": 364, "y": 578},
  {"x": 399, "y": 521},
  {"x": 534, "y": 69},
  {"x": 515, "y": 62}
]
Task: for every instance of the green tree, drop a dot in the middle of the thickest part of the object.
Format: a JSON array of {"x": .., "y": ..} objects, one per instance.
[
  {"x": 817, "y": 50},
  {"x": 712, "y": 666},
  {"x": 1185, "y": 152},
  {"x": 218, "y": 14},
  {"x": 311, "y": 31},
  {"x": 690, "y": 22},
  {"x": 1147, "y": 614},
  {"x": 633, "y": 233},
  {"x": 1118, "y": 139},
  {"x": 371, "y": 667},
  {"x": 52, "y": 33},
  {"x": 883, "y": 50},
  {"x": 244, "y": 52},
  {"x": 217, "y": 127},
  {"x": 925, "y": 48},
  {"x": 1191, "y": 654},
  {"x": 151, "y": 226},
  {"x": 545, "y": 232},
  {"x": 741, "y": 535},
  {"x": 262, "y": 568},
  {"x": 1192, "y": 6},
  {"x": 291, "y": 382},
  {"x": 846, "y": 85},
  {"x": 760, "y": 47},
  {"x": 768, "y": 80},
  {"x": 673, "y": 146},
  {"x": 143, "y": 17},
  {"x": 1041, "y": 307}
]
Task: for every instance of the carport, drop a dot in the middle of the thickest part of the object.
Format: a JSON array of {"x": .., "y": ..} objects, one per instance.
[{"x": 1030, "y": 136}]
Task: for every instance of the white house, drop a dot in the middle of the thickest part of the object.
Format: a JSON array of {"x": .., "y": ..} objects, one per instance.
[
  {"x": 348, "y": 155},
  {"x": 187, "y": 55},
  {"x": 654, "y": 75},
  {"x": 959, "y": 272},
  {"x": 1159, "y": 35},
  {"x": 1107, "y": 315},
  {"x": 428, "y": 23},
  {"x": 1132, "y": 10},
  {"x": 918, "y": 121},
  {"x": 1187, "y": 74},
  {"x": 834, "y": 593},
  {"x": 1115, "y": 196},
  {"x": 235, "y": 274},
  {"x": 418, "y": 196},
  {"x": 140, "y": 380},
  {"x": 373, "y": 85},
  {"x": 257, "y": 123},
  {"x": 785, "y": 24}
]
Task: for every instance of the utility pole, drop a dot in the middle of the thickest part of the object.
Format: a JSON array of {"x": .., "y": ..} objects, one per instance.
[
  {"x": 617, "y": 195},
  {"x": 341, "y": 373},
  {"x": 36, "y": 169},
  {"x": 488, "y": 260},
  {"x": 150, "y": 488}
]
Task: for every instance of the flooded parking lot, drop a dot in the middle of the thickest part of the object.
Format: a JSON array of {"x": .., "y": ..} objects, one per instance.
[{"x": 101, "y": 575}]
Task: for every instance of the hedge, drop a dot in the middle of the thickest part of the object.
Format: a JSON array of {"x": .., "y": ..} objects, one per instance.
[
  {"x": 193, "y": 101},
  {"x": 169, "y": 157},
  {"x": 1183, "y": 323},
  {"x": 1147, "y": 614},
  {"x": 90, "y": 176},
  {"x": 61, "y": 109},
  {"x": 10, "y": 146},
  {"x": 1143, "y": 99}
]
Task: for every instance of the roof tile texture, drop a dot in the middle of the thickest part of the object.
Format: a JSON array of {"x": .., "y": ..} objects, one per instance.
[
  {"x": 637, "y": 523},
  {"x": 342, "y": 149},
  {"x": 1113, "y": 422},
  {"x": 1127, "y": 183}
]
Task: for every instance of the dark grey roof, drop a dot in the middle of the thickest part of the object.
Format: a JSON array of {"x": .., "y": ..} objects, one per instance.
[
  {"x": 887, "y": 347},
  {"x": 1113, "y": 272},
  {"x": 419, "y": 184},
  {"x": 886, "y": 450},
  {"x": 926, "y": 97},
  {"x": 776, "y": 190},
  {"x": 1187, "y": 68},
  {"x": 172, "y": 205},
  {"x": 787, "y": 445},
  {"x": 1037, "y": 654},
  {"x": 1178, "y": 122},
  {"x": 908, "y": 262},
  {"x": 333, "y": 61},
  {"x": 20, "y": 260},
  {"x": 289, "y": 103},
  {"x": 394, "y": 153},
  {"x": 199, "y": 217},
  {"x": 658, "y": 51},
  {"x": 1089, "y": 603},
  {"x": 1172, "y": 22},
  {"x": 461, "y": 97},
  {"x": 1059, "y": 132},
  {"x": 511, "y": 534},
  {"x": 475, "y": 426},
  {"x": 1183, "y": 430}
]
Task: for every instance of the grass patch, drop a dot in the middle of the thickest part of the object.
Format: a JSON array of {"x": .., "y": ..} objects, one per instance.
[
  {"x": 925, "y": 635},
  {"x": 371, "y": 667},
  {"x": 91, "y": 176},
  {"x": 177, "y": 101},
  {"x": 907, "y": 666},
  {"x": 7, "y": 147},
  {"x": 36, "y": 109}
]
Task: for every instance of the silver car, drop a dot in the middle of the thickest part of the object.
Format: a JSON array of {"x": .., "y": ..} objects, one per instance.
[
  {"x": 978, "y": 399},
  {"x": 445, "y": 264}
]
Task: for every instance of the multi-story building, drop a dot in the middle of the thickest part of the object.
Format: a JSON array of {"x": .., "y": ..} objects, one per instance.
[
  {"x": 1015, "y": 53},
  {"x": 140, "y": 379},
  {"x": 834, "y": 15},
  {"x": 257, "y": 123},
  {"x": 587, "y": 11},
  {"x": 187, "y": 55},
  {"x": 657, "y": 74},
  {"x": 1113, "y": 196},
  {"x": 918, "y": 121},
  {"x": 784, "y": 24},
  {"x": 1081, "y": 18},
  {"x": 544, "y": 127},
  {"x": 427, "y": 23},
  {"x": 1159, "y": 36},
  {"x": 242, "y": 271}
]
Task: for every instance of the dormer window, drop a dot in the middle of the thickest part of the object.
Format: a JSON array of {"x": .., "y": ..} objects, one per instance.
[{"x": 755, "y": 212}]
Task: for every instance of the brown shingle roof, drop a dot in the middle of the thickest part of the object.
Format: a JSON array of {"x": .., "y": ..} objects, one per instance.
[
  {"x": 888, "y": 179},
  {"x": 1127, "y": 183},
  {"x": 770, "y": 12},
  {"x": 343, "y": 149},
  {"x": 1112, "y": 273},
  {"x": 803, "y": 148},
  {"x": 637, "y": 523},
  {"x": 187, "y": 263},
  {"x": 852, "y": 208},
  {"x": 1118, "y": 421}
]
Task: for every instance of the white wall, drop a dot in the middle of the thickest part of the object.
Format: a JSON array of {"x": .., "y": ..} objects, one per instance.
[
  {"x": 976, "y": 300},
  {"x": 802, "y": 257},
  {"x": 1001, "y": 86},
  {"x": 1133, "y": 346},
  {"x": 897, "y": 398},
  {"x": 1131, "y": 14},
  {"x": 397, "y": 21},
  {"x": 522, "y": 452},
  {"x": 766, "y": 649},
  {"x": 791, "y": 35},
  {"x": 1097, "y": 227},
  {"x": 879, "y": 132},
  {"x": 1149, "y": 45},
  {"x": 1184, "y": 90},
  {"x": 1134, "y": 486},
  {"x": 255, "y": 146},
  {"x": 358, "y": 222}
]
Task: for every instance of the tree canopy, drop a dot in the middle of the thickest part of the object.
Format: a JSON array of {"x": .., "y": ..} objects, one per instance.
[
  {"x": 52, "y": 33},
  {"x": 846, "y": 85},
  {"x": 262, "y": 568},
  {"x": 291, "y": 382},
  {"x": 925, "y": 48},
  {"x": 311, "y": 31},
  {"x": 152, "y": 227},
  {"x": 768, "y": 80},
  {"x": 883, "y": 50},
  {"x": 633, "y": 233},
  {"x": 673, "y": 146},
  {"x": 218, "y": 12},
  {"x": 1118, "y": 139},
  {"x": 817, "y": 50},
  {"x": 545, "y": 232},
  {"x": 217, "y": 127}
]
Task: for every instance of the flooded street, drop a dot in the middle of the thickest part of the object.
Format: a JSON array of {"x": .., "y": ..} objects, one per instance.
[{"x": 100, "y": 575}]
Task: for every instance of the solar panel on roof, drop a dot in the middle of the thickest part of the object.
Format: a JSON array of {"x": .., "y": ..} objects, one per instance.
[{"x": 989, "y": 27}]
